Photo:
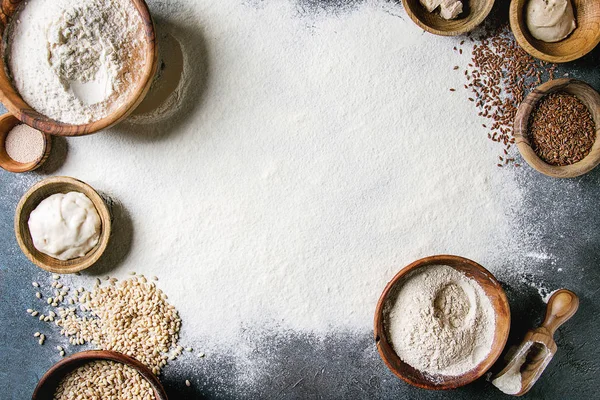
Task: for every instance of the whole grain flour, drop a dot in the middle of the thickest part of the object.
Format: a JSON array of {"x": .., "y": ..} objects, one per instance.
[
  {"x": 440, "y": 321},
  {"x": 75, "y": 63}
]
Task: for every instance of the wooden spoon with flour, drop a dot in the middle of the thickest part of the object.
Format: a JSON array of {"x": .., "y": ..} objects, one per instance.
[{"x": 532, "y": 357}]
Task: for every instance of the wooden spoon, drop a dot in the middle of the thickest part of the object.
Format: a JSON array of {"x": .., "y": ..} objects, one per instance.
[{"x": 532, "y": 357}]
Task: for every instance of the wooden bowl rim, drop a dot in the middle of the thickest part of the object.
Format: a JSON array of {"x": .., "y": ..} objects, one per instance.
[
  {"x": 15, "y": 166},
  {"x": 572, "y": 86},
  {"x": 502, "y": 329},
  {"x": 469, "y": 26},
  {"x": 68, "y": 364},
  {"x": 517, "y": 24},
  {"x": 45, "y": 124},
  {"x": 77, "y": 264}
]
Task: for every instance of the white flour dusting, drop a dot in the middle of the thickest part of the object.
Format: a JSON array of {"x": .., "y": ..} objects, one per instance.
[
  {"x": 75, "y": 63},
  {"x": 327, "y": 153},
  {"x": 440, "y": 321}
]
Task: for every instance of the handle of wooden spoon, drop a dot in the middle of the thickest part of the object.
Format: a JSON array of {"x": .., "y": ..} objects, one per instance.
[{"x": 561, "y": 307}]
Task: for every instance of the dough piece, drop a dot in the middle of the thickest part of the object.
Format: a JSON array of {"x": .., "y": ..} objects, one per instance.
[
  {"x": 430, "y": 5},
  {"x": 550, "y": 20},
  {"x": 65, "y": 226},
  {"x": 451, "y": 9}
]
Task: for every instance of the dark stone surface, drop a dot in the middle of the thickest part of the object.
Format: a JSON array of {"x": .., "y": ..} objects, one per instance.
[{"x": 345, "y": 366}]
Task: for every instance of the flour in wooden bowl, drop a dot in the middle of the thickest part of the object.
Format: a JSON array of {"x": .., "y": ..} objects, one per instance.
[
  {"x": 441, "y": 322},
  {"x": 75, "y": 63}
]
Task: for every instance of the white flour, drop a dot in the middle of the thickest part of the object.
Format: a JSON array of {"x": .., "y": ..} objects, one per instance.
[
  {"x": 325, "y": 154},
  {"x": 440, "y": 321},
  {"x": 75, "y": 63}
]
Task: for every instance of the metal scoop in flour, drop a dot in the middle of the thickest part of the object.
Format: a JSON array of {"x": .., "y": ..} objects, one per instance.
[{"x": 532, "y": 357}]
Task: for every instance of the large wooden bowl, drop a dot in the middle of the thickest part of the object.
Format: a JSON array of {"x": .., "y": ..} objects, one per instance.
[
  {"x": 589, "y": 97},
  {"x": 474, "y": 12},
  {"x": 7, "y": 122},
  {"x": 33, "y": 197},
  {"x": 580, "y": 42},
  {"x": 15, "y": 104},
  {"x": 492, "y": 289},
  {"x": 49, "y": 382}
]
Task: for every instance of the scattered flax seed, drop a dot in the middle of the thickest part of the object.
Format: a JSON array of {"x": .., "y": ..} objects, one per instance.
[
  {"x": 561, "y": 129},
  {"x": 456, "y": 67},
  {"x": 501, "y": 74},
  {"x": 106, "y": 380},
  {"x": 452, "y": 90}
]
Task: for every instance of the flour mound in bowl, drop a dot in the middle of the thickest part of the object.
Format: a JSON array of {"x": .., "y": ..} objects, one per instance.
[
  {"x": 441, "y": 322},
  {"x": 76, "y": 62}
]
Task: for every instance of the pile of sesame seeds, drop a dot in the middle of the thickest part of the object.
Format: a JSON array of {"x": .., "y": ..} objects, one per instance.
[
  {"x": 106, "y": 380},
  {"x": 499, "y": 76},
  {"x": 132, "y": 317}
]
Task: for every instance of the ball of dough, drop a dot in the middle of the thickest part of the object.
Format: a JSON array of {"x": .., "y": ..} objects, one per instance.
[{"x": 65, "y": 226}]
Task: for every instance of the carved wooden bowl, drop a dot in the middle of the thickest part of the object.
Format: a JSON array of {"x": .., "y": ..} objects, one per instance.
[
  {"x": 580, "y": 42},
  {"x": 492, "y": 289},
  {"x": 589, "y": 97},
  {"x": 49, "y": 382},
  {"x": 15, "y": 104},
  {"x": 474, "y": 12},
  {"x": 33, "y": 197},
  {"x": 7, "y": 122}
]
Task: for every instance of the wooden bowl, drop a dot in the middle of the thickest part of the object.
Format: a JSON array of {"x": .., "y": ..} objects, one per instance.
[
  {"x": 7, "y": 122},
  {"x": 492, "y": 289},
  {"x": 49, "y": 382},
  {"x": 15, "y": 104},
  {"x": 580, "y": 42},
  {"x": 589, "y": 97},
  {"x": 33, "y": 197},
  {"x": 474, "y": 12}
]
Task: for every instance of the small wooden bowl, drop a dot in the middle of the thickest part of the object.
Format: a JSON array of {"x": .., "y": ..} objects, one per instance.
[
  {"x": 589, "y": 97},
  {"x": 580, "y": 42},
  {"x": 49, "y": 382},
  {"x": 15, "y": 104},
  {"x": 474, "y": 12},
  {"x": 7, "y": 122},
  {"x": 492, "y": 289},
  {"x": 33, "y": 197}
]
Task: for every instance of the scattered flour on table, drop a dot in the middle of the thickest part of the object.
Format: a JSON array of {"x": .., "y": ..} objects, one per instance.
[
  {"x": 440, "y": 321},
  {"x": 75, "y": 63},
  {"x": 326, "y": 154}
]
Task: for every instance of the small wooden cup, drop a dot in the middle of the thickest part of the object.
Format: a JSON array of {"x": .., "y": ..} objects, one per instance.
[
  {"x": 50, "y": 380},
  {"x": 588, "y": 96},
  {"x": 15, "y": 104},
  {"x": 7, "y": 122},
  {"x": 580, "y": 42},
  {"x": 492, "y": 289},
  {"x": 474, "y": 12},
  {"x": 33, "y": 197}
]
